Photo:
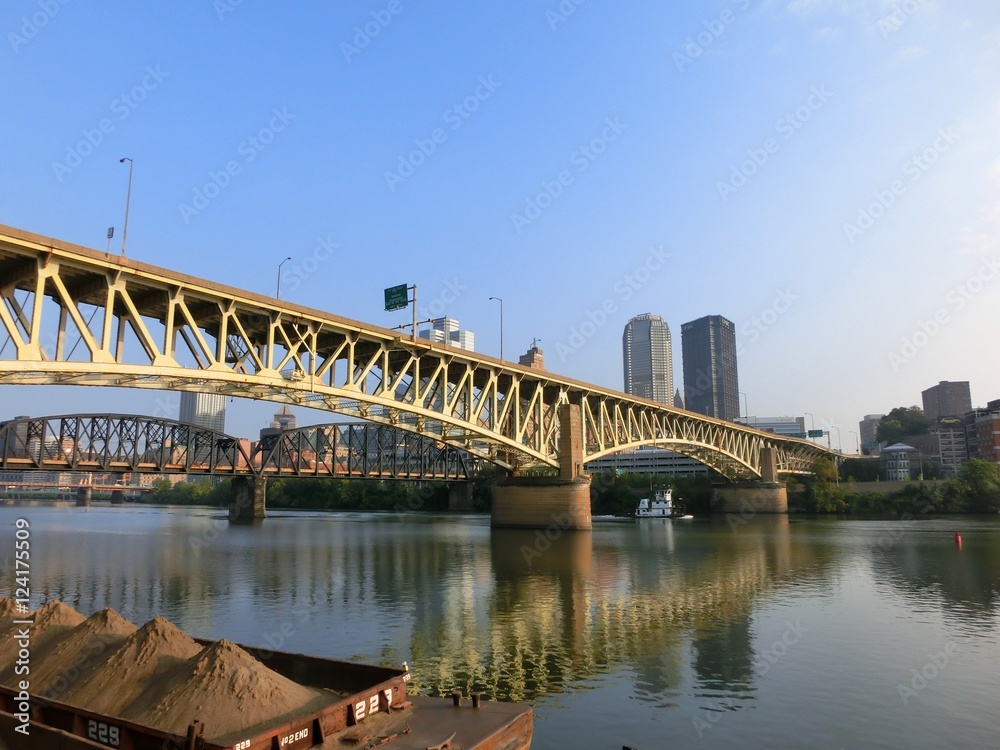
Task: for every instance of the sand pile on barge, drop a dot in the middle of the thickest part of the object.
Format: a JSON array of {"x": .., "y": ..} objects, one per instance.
[
  {"x": 154, "y": 676},
  {"x": 8, "y": 611},
  {"x": 87, "y": 645},
  {"x": 48, "y": 625},
  {"x": 137, "y": 665},
  {"x": 225, "y": 683}
]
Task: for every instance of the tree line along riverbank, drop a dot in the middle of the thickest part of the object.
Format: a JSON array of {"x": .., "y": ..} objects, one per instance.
[{"x": 976, "y": 489}]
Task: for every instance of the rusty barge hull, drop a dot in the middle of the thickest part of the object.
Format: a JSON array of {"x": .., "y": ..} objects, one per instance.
[{"x": 376, "y": 706}]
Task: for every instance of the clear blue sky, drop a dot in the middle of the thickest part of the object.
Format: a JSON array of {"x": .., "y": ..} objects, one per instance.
[{"x": 754, "y": 145}]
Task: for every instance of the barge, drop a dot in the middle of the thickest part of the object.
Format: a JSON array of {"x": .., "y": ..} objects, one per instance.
[{"x": 342, "y": 704}]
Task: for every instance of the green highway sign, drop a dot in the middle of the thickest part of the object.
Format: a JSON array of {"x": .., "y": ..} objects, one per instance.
[
  {"x": 395, "y": 298},
  {"x": 816, "y": 433}
]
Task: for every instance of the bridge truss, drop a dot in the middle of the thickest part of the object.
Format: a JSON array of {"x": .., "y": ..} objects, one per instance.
[
  {"x": 117, "y": 443},
  {"x": 71, "y": 315}
]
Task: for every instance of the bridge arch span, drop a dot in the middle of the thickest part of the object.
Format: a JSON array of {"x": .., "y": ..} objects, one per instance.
[{"x": 73, "y": 315}]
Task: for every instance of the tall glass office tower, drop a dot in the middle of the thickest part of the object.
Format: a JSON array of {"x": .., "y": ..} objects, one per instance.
[
  {"x": 711, "y": 383},
  {"x": 648, "y": 359}
]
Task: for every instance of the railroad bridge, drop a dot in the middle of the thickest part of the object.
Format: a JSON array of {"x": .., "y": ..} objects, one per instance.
[
  {"x": 72, "y": 315},
  {"x": 84, "y": 445}
]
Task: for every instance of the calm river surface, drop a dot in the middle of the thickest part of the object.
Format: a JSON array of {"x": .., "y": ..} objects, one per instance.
[{"x": 782, "y": 633}]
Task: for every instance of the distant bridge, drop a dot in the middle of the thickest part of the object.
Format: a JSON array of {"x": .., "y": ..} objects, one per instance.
[{"x": 117, "y": 443}]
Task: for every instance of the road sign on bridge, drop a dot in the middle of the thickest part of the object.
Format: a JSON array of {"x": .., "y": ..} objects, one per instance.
[{"x": 395, "y": 298}]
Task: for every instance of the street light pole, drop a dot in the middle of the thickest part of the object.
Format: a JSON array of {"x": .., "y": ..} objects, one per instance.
[
  {"x": 128, "y": 198},
  {"x": 277, "y": 289},
  {"x": 498, "y": 299},
  {"x": 812, "y": 420},
  {"x": 746, "y": 409},
  {"x": 839, "y": 446},
  {"x": 857, "y": 442}
]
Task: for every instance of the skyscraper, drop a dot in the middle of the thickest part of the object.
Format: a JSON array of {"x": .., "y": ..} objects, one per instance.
[
  {"x": 204, "y": 409},
  {"x": 648, "y": 359},
  {"x": 868, "y": 428},
  {"x": 947, "y": 400},
  {"x": 711, "y": 383},
  {"x": 446, "y": 331}
]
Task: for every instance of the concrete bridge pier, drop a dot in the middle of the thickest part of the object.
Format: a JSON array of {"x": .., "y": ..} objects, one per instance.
[
  {"x": 561, "y": 502},
  {"x": 247, "y": 501},
  {"x": 460, "y": 497},
  {"x": 83, "y": 495},
  {"x": 747, "y": 500},
  {"x": 117, "y": 497}
]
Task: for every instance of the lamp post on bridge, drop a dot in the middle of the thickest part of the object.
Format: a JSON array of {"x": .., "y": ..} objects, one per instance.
[
  {"x": 746, "y": 409},
  {"x": 498, "y": 299},
  {"x": 857, "y": 442},
  {"x": 128, "y": 199},
  {"x": 277, "y": 289},
  {"x": 812, "y": 421}
]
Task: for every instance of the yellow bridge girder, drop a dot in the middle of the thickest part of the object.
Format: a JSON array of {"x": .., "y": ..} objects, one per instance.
[{"x": 76, "y": 316}]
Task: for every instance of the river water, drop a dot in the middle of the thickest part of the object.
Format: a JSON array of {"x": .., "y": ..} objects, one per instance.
[{"x": 682, "y": 634}]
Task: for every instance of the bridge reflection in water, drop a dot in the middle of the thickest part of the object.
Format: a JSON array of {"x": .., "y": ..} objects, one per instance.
[
  {"x": 510, "y": 612},
  {"x": 673, "y": 609}
]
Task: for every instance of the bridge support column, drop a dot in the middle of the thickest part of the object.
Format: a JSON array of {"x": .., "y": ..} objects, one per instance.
[
  {"x": 747, "y": 500},
  {"x": 460, "y": 497},
  {"x": 83, "y": 495},
  {"x": 117, "y": 497},
  {"x": 561, "y": 502},
  {"x": 247, "y": 501},
  {"x": 768, "y": 466},
  {"x": 541, "y": 503}
]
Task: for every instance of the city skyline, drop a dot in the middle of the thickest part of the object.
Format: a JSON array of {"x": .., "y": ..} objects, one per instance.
[{"x": 823, "y": 173}]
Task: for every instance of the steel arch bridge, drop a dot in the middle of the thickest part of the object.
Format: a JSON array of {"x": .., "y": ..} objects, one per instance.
[{"x": 76, "y": 316}]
